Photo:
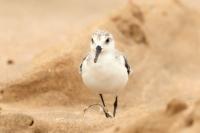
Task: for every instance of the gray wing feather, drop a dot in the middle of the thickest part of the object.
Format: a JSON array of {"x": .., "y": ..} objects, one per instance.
[
  {"x": 127, "y": 65},
  {"x": 81, "y": 65}
]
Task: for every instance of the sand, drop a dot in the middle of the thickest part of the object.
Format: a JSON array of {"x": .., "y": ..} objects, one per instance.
[{"x": 41, "y": 88}]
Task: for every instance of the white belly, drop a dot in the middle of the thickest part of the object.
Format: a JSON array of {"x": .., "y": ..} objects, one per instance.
[{"x": 105, "y": 76}]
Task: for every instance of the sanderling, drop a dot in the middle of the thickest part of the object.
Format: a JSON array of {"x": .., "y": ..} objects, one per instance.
[{"x": 105, "y": 69}]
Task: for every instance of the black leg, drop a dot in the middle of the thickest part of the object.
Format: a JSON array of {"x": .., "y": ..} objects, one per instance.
[
  {"x": 101, "y": 96},
  {"x": 115, "y": 106},
  {"x": 105, "y": 112}
]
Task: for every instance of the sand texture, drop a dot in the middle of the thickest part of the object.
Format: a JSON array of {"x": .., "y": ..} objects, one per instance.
[{"x": 42, "y": 91}]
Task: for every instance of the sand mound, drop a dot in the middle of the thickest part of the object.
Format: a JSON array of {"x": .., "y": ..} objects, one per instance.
[
  {"x": 60, "y": 76},
  {"x": 16, "y": 122},
  {"x": 171, "y": 120},
  {"x": 161, "y": 41},
  {"x": 186, "y": 120}
]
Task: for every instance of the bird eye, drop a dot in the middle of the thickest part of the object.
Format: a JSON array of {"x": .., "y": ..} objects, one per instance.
[
  {"x": 92, "y": 40},
  {"x": 107, "y": 40}
]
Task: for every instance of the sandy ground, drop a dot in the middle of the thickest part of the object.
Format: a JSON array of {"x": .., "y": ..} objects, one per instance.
[{"x": 42, "y": 44}]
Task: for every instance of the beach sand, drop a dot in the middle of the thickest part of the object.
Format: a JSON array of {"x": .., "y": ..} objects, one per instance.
[{"x": 43, "y": 43}]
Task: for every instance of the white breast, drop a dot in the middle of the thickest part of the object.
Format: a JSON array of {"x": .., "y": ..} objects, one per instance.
[{"x": 108, "y": 75}]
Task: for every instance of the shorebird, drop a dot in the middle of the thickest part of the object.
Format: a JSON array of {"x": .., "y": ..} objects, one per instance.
[{"x": 105, "y": 70}]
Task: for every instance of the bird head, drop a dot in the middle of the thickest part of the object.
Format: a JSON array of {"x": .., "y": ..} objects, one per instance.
[{"x": 101, "y": 42}]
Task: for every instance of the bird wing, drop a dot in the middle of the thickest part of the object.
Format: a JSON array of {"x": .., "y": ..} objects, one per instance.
[
  {"x": 127, "y": 65},
  {"x": 124, "y": 61},
  {"x": 81, "y": 65}
]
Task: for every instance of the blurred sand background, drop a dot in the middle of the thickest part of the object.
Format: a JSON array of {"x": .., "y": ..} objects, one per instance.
[
  {"x": 26, "y": 27},
  {"x": 43, "y": 42}
]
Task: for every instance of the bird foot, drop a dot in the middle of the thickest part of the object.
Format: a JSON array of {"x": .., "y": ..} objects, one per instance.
[
  {"x": 108, "y": 115},
  {"x": 105, "y": 110}
]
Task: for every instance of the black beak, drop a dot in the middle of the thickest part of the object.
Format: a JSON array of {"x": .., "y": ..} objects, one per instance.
[{"x": 98, "y": 51}]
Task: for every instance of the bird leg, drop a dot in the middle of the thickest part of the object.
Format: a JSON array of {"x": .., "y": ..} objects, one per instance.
[
  {"x": 115, "y": 106},
  {"x": 104, "y": 110}
]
